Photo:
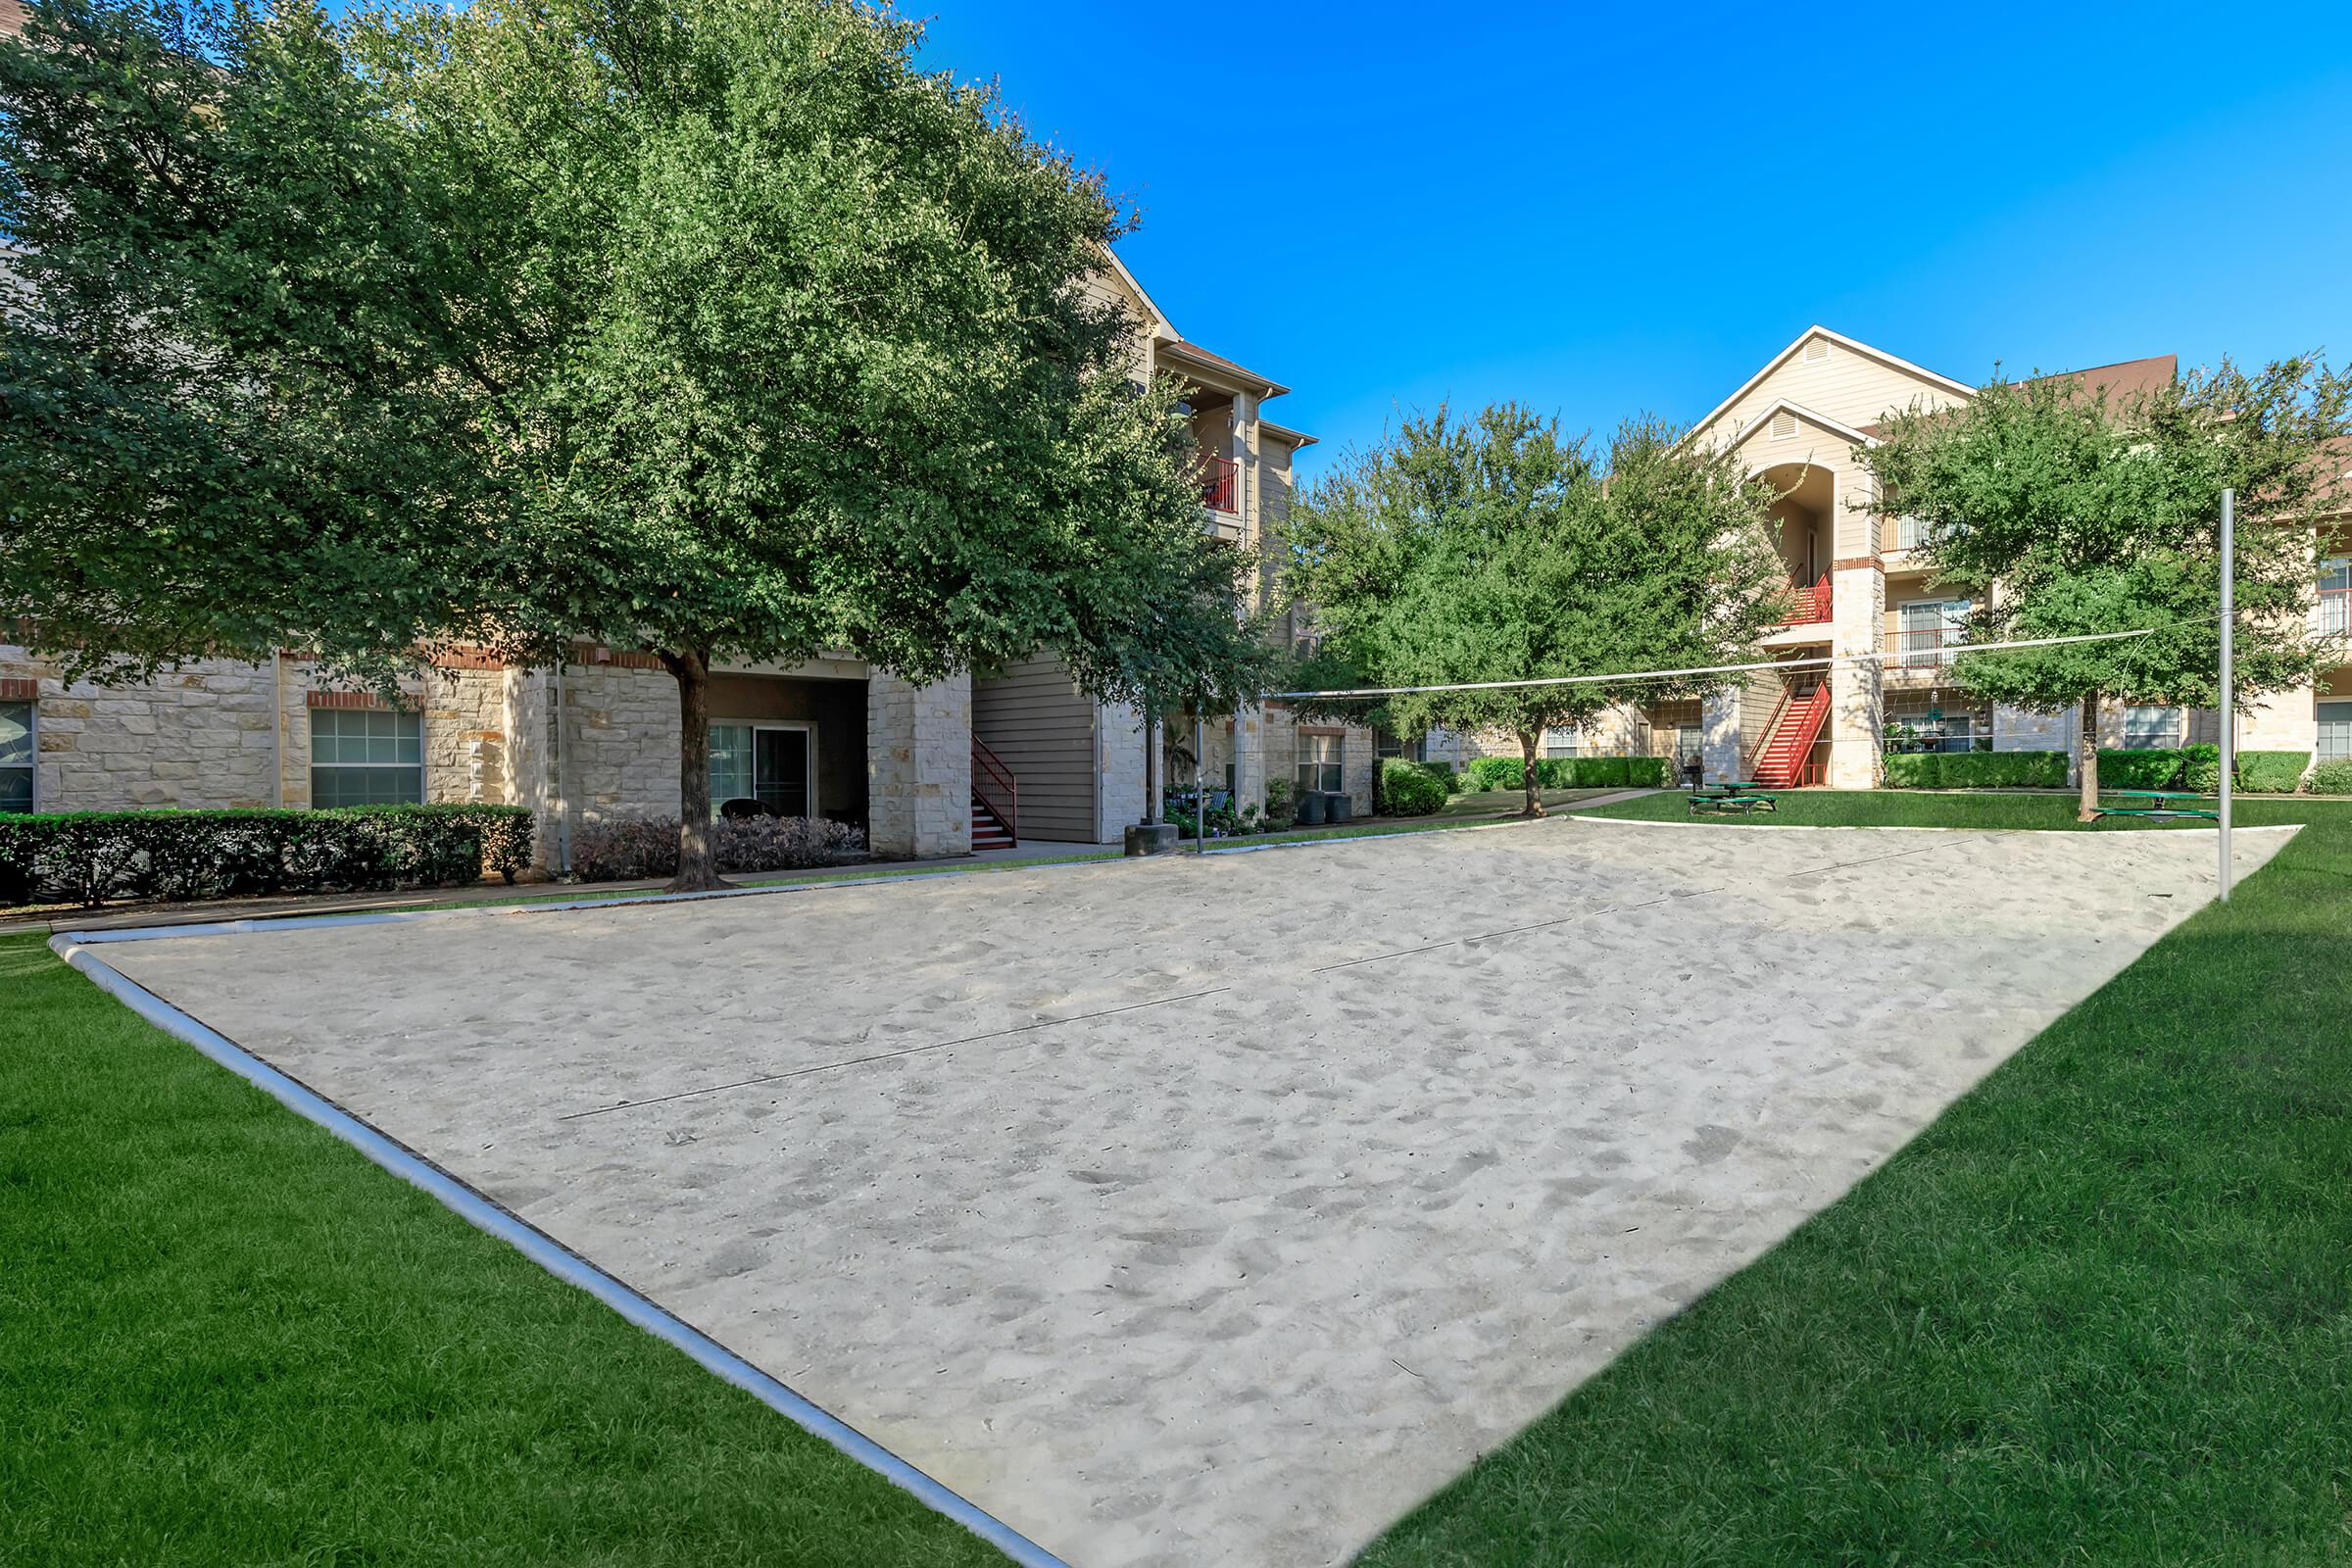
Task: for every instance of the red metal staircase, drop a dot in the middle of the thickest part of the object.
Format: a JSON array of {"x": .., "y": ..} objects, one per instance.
[
  {"x": 1780, "y": 763},
  {"x": 996, "y": 800}
]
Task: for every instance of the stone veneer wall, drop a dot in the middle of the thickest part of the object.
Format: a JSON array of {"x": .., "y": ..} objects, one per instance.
[
  {"x": 1119, "y": 767},
  {"x": 918, "y": 754},
  {"x": 201, "y": 735}
]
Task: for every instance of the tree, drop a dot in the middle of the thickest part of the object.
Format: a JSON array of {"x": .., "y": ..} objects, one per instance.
[
  {"x": 1466, "y": 551},
  {"x": 715, "y": 329},
  {"x": 2076, "y": 513},
  {"x": 228, "y": 425}
]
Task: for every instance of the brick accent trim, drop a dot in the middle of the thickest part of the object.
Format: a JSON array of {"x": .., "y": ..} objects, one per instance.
[
  {"x": 615, "y": 658},
  {"x": 1853, "y": 562},
  {"x": 1339, "y": 730},
  {"x": 347, "y": 700},
  {"x": 15, "y": 690}
]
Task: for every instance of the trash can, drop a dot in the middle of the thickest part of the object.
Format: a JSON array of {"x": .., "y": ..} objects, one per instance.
[
  {"x": 1310, "y": 808},
  {"x": 1336, "y": 808}
]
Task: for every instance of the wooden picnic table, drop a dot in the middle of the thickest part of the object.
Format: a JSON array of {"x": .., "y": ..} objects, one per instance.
[{"x": 2161, "y": 807}]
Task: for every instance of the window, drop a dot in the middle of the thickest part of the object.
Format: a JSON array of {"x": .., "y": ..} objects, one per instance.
[
  {"x": 2335, "y": 730},
  {"x": 1386, "y": 743},
  {"x": 1319, "y": 758},
  {"x": 771, "y": 763},
  {"x": 1562, "y": 742},
  {"x": 16, "y": 757},
  {"x": 1911, "y": 728},
  {"x": 2335, "y": 596},
  {"x": 367, "y": 757},
  {"x": 1910, "y": 532},
  {"x": 1931, "y": 630},
  {"x": 2151, "y": 728}
]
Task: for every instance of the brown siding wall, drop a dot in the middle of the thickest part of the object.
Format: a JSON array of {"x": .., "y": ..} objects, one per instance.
[{"x": 1038, "y": 722}]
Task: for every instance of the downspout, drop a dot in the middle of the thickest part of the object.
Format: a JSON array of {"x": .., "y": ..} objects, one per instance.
[
  {"x": 554, "y": 746},
  {"x": 277, "y": 729}
]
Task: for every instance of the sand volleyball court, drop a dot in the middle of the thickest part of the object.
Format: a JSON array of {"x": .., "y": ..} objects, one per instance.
[{"x": 1207, "y": 1210}]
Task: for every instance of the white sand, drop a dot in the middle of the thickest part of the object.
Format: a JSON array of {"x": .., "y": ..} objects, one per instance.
[{"x": 1236, "y": 1278}]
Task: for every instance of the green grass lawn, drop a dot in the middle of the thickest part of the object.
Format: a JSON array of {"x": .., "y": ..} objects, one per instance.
[
  {"x": 230, "y": 1339},
  {"x": 2100, "y": 1312}
]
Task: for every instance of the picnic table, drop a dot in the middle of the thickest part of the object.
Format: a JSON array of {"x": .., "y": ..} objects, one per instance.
[
  {"x": 2159, "y": 807},
  {"x": 1742, "y": 797}
]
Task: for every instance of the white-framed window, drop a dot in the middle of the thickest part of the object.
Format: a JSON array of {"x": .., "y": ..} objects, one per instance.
[
  {"x": 772, "y": 762},
  {"x": 1910, "y": 532},
  {"x": 367, "y": 757},
  {"x": 1931, "y": 628},
  {"x": 16, "y": 757},
  {"x": 2148, "y": 729},
  {"x": 2335, "y": 730},
  {"x": 2335, "y": 596},
  {"x": 1385, "y": 744},
  {"x": 1563, "y": 742},
  {"x": 1319, "y": 765}
]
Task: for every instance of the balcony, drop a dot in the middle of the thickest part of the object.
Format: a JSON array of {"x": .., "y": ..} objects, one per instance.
[
  {"x": 1932, "y": 649},
  {"x": 1221, "y": 485},
  {"x": 1901, "y": 533},
  {"x": 1812, "y": 602}
]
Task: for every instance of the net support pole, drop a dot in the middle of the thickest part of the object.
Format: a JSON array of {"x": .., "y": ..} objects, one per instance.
[
  {"x": 2229, "y": 694},
  {"x": 1199, "y": 781}
]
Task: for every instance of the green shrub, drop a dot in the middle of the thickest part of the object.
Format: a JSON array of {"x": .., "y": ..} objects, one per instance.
[
  {"x": 2333, "y": 777},
  {"x": 91, "y": 856},
  {"x": 1555, "y": 772},
  {"x": 2271, "y": 773},
  {"x": 1647, "y": 773},
  {"x": 2157, "y": 769},
  {"x": 2000, "y": 771},
  {"x": 1406, "y": 789},
  {"x": 2201, "y": 768},
  {"x": 1443, "y": 773},
  {"x": 1498, "y": 773},
  {"x": 1282, "y": 812},
  {"x": 1914, "y": 770}
]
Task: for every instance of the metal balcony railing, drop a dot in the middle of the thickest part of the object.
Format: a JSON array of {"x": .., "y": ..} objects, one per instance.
[
  {"x": 1811, "y": 602},
  {"x": 1221, "y": 484},
  {"x": 1932, "y": 649}
]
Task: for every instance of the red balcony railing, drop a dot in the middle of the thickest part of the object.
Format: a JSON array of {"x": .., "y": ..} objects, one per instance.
[
  {"x": 1220, "y": 484},
  {"x": 1811, "y": 602}
]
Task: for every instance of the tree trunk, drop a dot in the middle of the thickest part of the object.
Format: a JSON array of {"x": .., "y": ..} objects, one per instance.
[
  {"x": 1529, "y": 782},
  {"x": 698, "y": 867},
  {"x": 2086, "y": 761}
]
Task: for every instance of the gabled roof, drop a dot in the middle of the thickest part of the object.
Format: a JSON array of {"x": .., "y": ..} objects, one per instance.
[
  {"x": 1851, "y": 345},
  {"x": 2125, "y": 378},
  {"x": 1859, "y": 437},
  {"x": 1295, "y": 439},
  {"x": 1159, "y": 324}
]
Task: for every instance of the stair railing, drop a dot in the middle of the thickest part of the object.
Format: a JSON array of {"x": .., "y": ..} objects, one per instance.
[{"x": 995, "y": 788}]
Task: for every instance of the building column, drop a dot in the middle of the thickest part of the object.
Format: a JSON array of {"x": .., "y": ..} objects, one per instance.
[
  {"x": 919, "y": 766},
  {"x": 1857, "y": 692},
  {"x": 1121, "y": 760},
  {"x": 1720, "y": 752},
  {"x": 1249, "y": 758}
]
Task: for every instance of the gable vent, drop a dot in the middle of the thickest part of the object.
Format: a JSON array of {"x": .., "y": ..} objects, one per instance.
[
  {"x": 1817, "y": 349},
  {"x": 1783, "y": 425}
]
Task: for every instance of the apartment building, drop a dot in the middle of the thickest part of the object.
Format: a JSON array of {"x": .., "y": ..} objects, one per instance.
[
  {"x": 926, "y": 771},
  {"x": 1860, "y": 586}
]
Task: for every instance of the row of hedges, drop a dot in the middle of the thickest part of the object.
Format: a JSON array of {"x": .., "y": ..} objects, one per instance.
[
  {"x": 91, "y": 856},
  {"x": 1409, "y": 789},
  {"x": 1975, "y": 770},
  {"x": 2189, "y": 767},
  {"x": 1570, "y": 773},
  {"x": 648, "y": 845}
]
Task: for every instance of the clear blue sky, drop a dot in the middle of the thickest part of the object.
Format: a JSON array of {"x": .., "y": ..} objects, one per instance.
[{"x": 1605, "y": 209}]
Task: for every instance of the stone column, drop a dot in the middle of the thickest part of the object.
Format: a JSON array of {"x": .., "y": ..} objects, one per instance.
[
  {"x": 919, "y": 766},
  {"x": 1249, "y": 758},
  {"x": 1721, "y": 752},
  {"x": 1857, "y": 707}
]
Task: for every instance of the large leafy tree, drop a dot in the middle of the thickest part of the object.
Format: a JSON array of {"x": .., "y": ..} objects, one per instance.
[
  {"x": 737, "y": 337},
  {"x": 2073, "y": 512},
  {"x": 1461, "y": 552}
]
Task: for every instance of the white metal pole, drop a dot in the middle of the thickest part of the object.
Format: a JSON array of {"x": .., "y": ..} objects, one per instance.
[
  {"x": 2229, "y": 694},
  {"x": 1199, "y": 784}
]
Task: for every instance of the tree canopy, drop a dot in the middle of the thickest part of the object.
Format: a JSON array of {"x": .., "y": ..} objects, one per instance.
[
  {"x": 714, "y": 329},
  {"x": 1493, "y": 549},
  {"x": 2084, "y": 513}
]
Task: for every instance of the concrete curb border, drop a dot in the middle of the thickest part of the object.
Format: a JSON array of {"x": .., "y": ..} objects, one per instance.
[{"x": 534, "y": 1244}]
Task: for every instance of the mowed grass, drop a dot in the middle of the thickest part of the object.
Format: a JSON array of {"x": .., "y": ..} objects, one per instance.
[
  {"x": 230, "y": 1339},
  {"x": 2100, "y": 1312}
]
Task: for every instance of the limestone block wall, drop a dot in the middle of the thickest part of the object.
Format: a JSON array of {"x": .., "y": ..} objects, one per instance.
[
  {"x": 203, "y": 735},
  {"x": 1857, "y": 725},
  {"x": 465, "y": 736},
  {"x": 529, "y": 721},
  {"x": 1720, "y": 753},
  {"x": 1119, "y": 766},
  {"x": 619, "y": 737},
  {"x": 919, "y": 766}
]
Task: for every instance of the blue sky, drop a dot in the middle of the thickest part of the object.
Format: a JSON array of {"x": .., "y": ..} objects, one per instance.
[{"x": 1603, "y": 209}]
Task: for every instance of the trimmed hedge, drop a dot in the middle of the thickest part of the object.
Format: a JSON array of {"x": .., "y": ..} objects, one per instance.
[
  {"x": 1975, "y": 770},
  {"x": 2201, "y": 768},
  {"x": 621, "y": 847},
  {"x": 2271, "y": 773},
  {"x": 1406, "y": 789},
  {"x": 1647, "y": 773},
  {"x": 2156, "y": 769},
  {"x": 1496, "y": 773},
  {"x": 2332, "y": 778},
  {"x": 91, "y": 856},
  {"x": 1570, "y": 773},
  {"x": 1444, "y": 774}
]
